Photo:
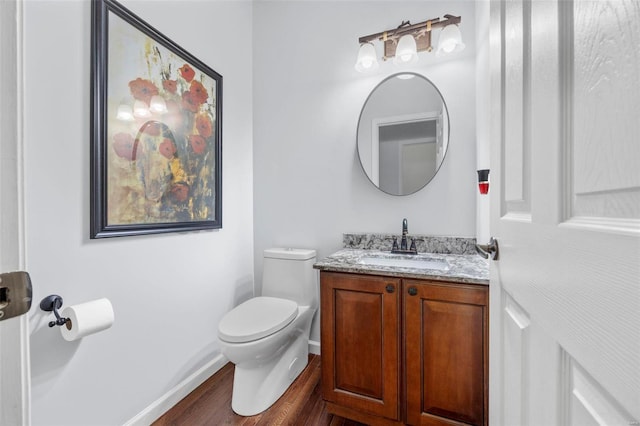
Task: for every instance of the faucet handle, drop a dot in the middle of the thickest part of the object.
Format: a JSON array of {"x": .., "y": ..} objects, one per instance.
[
  {"x": 413, "y": 246},
  {"x": 395, "y": 244}
]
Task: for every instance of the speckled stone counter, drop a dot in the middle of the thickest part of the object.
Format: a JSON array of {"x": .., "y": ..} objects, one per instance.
[
  {"x": 463, "y": 268},
  {"x": 424, "y": 243}
]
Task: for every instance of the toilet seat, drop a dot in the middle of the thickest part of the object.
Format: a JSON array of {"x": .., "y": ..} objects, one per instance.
[{"x": 256, "y": 318}]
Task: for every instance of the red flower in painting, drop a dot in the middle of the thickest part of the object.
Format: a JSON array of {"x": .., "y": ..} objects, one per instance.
[
  {"x": 198, "y": 144},
  {"x": 143, "y": 89},
  {"x": 189, "y": 103},
  {"x": 124, "y": 146},
  {"x": 187, "y": 72},
  {"x": 170, "y": 86},
  {"x": 203, "y": 124},
  {"x": 167, "y": 148},
  {"x": 179, "y": 192},
  {"x": 198, "y": 92}
]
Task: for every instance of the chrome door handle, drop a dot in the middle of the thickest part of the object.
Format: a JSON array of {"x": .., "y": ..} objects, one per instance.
[
  {"x": 485, "y": 250},
  {"x": 15, "y": 294}
]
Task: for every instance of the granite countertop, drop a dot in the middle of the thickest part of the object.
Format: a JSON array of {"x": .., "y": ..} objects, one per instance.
[{"x": 464, "y": 268}]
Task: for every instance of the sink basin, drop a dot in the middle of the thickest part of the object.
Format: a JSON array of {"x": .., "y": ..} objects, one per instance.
[{"x": 406, "y": 262}]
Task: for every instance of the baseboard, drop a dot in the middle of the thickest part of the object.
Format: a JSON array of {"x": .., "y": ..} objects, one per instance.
[
  {"x": 174, "y": 395},
  {"x": 314, "y": 347}
]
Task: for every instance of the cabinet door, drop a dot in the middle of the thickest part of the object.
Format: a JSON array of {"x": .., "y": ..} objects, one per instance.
[
  {"x": 360, "y": 342},
  {"x": 446, "y": 332}
]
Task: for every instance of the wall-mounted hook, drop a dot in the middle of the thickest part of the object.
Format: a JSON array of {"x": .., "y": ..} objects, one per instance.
[{"x": 53, "y": 303}]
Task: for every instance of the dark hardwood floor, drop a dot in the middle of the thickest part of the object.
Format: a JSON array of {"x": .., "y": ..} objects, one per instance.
[{"x": 210, "y": 404}]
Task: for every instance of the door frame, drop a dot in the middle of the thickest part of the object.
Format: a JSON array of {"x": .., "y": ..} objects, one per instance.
[
  {"x": 15, "y": 389},
  {"x": 376, "y": 123}
]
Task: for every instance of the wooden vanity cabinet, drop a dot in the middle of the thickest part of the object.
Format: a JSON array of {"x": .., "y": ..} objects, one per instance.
[
  {"x": 446, "y": 352},
  {"x": 360, "y": 335},
  {"x": 404, "y": 351}
]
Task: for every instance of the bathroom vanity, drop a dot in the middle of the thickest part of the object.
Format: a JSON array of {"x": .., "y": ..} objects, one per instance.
[{"x": 404, "y": 339}]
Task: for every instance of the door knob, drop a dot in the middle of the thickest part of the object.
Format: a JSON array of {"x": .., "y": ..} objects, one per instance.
[
  {"x": 485, "y": 250},
  {"x": 15, "y": 294}
]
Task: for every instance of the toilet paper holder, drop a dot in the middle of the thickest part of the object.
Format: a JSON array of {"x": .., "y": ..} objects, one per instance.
[{"x": 50, "y": 303}]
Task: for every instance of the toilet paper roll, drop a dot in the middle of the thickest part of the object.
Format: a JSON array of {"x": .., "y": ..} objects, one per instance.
[{"x": 86, "y": 318}]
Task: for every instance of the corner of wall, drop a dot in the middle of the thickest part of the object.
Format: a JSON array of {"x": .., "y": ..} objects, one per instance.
[{"x": 483, "y": 94}]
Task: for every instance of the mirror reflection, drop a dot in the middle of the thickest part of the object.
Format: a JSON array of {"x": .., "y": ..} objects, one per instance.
[{"x": 403, "y": 133}]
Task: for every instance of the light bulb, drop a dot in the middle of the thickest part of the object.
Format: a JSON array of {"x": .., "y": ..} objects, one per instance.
[
  {"x": 140, "y": 109},
  {"x": 125, "y": 113},
  {"x": 450, "y": 40},
  {"x": 367, "y": 60},
  {"x": 448, "y": 46},
  {"x": 405, "y": 76},
  {"x": 157, "y": 104},
  {"x": 406, "y": 51}
]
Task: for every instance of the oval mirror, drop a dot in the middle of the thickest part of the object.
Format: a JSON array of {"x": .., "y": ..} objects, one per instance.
[{"x": 403, "y": 133}]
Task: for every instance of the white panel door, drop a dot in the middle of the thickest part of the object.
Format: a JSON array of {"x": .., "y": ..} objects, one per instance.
[{"x": 565, "y": 292}]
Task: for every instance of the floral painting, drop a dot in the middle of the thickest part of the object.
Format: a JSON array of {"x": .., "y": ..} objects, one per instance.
[{"x": 157, "y": 154}]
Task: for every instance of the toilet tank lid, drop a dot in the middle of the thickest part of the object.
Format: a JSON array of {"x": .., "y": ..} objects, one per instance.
[{"x": 290, "y": 253}]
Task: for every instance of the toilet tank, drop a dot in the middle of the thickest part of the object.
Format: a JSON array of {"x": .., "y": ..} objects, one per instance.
[{"x": 288, "y": 273}]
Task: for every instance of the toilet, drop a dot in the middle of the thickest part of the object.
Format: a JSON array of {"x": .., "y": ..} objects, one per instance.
[{"x": 267, "y": 337}]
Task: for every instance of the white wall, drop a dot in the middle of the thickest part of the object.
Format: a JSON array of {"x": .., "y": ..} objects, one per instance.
[
  {"x": 168, "y": 291},
  {"x": 290, "y": 171},
  {"x": 309, "y": 187}
]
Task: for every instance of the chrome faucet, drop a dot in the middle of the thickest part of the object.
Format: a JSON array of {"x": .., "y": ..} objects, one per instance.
[{"x": 404, "y": 248}]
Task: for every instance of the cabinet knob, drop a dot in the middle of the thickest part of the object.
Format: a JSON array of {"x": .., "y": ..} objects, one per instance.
[
  {"x": 413, "y": 291},
  {"x": 390, "y": 288}
]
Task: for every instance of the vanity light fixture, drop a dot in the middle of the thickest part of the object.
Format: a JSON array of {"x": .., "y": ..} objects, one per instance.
[
  {"x": 157, "y": 105},
  {"x": 406, "y": 51},
  {"x": 125, "y": 112},
  {"x": 404, "y": 42},
  {"x": 450, "y": 40},
  {"x": 140, "y": 109},
  {"x": 367, "y": 60}
]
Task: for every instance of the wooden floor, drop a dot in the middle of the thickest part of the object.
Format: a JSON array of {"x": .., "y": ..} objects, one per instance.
[{"x": 210, "y": 404}]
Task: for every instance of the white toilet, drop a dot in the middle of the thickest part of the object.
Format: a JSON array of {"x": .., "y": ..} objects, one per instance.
[{"x": 267, "y": 337}]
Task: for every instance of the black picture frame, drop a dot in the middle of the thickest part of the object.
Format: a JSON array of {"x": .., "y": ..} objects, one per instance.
[{"x": 157, "y": 170}]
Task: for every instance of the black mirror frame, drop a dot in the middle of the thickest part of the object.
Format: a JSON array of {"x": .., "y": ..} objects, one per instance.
[{"x": 448, "y": 136}]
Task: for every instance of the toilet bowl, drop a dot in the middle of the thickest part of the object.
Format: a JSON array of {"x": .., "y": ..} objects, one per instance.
[{"x": 267, "y": 337}]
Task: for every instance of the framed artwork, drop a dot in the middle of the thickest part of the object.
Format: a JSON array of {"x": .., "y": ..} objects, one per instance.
[{"x": 156, "y": 142}]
